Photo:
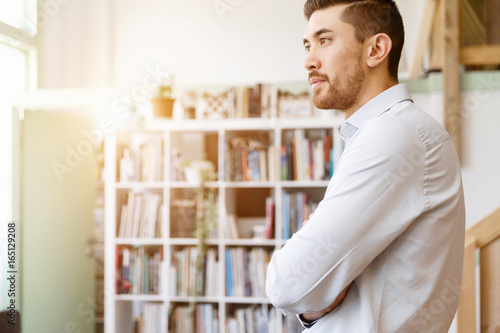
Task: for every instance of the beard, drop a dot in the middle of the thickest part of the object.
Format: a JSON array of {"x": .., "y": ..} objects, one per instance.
[{"x": 341, "y": 94}]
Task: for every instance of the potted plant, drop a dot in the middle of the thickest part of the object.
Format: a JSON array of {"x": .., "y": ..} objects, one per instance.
[{"x": 163, "y": 100}]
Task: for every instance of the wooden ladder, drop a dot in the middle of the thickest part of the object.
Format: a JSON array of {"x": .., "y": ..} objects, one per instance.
[{"x": 485, "y": 236}]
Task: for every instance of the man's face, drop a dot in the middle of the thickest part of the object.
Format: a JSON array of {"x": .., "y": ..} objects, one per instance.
[{"x": 334, "y": 60}]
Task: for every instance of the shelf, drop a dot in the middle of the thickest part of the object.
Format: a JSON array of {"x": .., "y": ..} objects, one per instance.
[
  {"x": 143, "y": 298},
  {"x": 245, "y": 200},
  {"x": 191, "y": 185},
  {"x": 139, "y": 241},
  {"x": 250, "y": 242},
  {"x": 251, "y": 184},
  {"x": 140, "y": 185},
  {"x": 235, "y": 124},
  {"x": 190, "y": 241},
  {"x": 254, "y": 184},
  {"x": 247, "y": 300},
  {"x": 304, "y": 183},
  {"x": 199, "y": 299}
]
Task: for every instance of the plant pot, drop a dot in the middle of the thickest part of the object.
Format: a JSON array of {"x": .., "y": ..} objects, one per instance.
[{"x": 163, "y": 107}]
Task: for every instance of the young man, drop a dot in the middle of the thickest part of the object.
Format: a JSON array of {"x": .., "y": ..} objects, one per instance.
[{"x": 383, "y": 252}]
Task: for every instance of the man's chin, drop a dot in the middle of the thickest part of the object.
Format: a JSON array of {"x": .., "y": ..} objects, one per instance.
[{"x": 323, "y": 103}]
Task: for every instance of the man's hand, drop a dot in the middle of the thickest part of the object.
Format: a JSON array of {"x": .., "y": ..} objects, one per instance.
[{"x": 311, "y": 316}]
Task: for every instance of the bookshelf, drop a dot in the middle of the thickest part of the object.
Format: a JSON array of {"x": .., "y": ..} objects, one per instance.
[{"x": 242, "y": 202}]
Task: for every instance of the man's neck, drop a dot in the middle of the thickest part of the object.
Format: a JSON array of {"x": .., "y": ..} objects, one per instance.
[{"x": 367, "y": 93}]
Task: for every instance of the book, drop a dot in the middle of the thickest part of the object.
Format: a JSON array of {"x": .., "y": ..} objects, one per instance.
[
  {"x": 269, "y": 217},
  {"x": 286, "y": 215},
  {"x": 229, "y": 275},
  {"x": 284, "y": 163}
]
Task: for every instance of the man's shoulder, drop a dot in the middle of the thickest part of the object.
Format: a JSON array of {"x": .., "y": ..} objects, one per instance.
[{"x": 430, "y": 132}]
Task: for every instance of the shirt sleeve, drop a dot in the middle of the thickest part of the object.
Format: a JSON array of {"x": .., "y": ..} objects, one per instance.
[{"x": 374, "y": 195}]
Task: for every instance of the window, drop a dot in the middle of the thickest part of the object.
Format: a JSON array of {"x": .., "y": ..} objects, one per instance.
[
  {"x": 14, "y": 69},
  {"x": 18, "y": 67},
  {"x": 20, "y": 14}
]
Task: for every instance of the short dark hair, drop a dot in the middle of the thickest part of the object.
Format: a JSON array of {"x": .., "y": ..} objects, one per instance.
[{"x": 369, "y": 17}]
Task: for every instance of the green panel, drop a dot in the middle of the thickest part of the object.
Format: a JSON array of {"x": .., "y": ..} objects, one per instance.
[
  {"x": 480, "y": 80},
  {"x": 57, "y": 276}
]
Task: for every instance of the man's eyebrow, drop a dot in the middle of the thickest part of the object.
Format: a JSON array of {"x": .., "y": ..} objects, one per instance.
[{"x": 318, "y": 33}]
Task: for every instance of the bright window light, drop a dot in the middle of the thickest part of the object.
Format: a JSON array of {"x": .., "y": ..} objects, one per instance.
[
  {"x": 12, "y": 13},
  {"x": 13, "y": 69},
  {"x": 20, "y": 14}
]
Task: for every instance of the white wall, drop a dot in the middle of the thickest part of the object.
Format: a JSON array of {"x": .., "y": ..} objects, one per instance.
[
  {"x": 257, "y": 40},
  {"x": 111, "y": 43}
]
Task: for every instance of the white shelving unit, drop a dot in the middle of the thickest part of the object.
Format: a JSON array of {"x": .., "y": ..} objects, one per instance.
[{"x": 120, "y": 309}]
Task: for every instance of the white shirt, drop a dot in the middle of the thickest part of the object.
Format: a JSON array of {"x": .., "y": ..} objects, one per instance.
[{"x": 392, "y": 219}]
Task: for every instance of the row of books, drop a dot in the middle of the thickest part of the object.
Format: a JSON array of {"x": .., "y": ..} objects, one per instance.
[
  {"x": 258, "y": 319},
  {"x": 141, "y": 216},
  {"x": 296, "y": 209},
  {"x": 203, "y": 319},
  {"x": 187, "y": 281},
  {"x": 137, "y": 271},
  {"x": 246, "y": 272},
  {"x": 142, "y": 162},
  {"x": 251, "y": 101},
  {"x": 307, "y": 159},
  {"x": 249, "y": 160},
  {"x": 151, "y": 319}
]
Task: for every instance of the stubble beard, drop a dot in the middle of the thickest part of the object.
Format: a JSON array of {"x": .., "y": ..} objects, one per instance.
[{"x": 342, "y": 94}]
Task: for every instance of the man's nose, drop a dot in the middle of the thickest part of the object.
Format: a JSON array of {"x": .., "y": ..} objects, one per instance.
[{"x": 312, "y": 60}]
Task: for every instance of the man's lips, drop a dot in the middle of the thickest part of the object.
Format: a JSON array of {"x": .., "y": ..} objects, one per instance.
[{"x": 315, "y": 82}]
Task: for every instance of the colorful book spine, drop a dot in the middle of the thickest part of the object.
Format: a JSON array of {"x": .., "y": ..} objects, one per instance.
[{"x": 229, "y": 275}]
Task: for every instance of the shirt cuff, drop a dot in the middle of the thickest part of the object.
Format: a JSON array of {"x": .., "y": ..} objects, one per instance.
[{"x": 305, "y": 323}]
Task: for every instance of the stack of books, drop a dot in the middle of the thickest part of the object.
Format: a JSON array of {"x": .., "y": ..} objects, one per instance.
[
  {"x": 203, "y": 320},
  {"x": 151, "y": 319},
  {"x": 250, "y": 160},
  {"x": 307, "y": 159},
  {"x": 258, "y": 319},
  {"x": 142, "y": 162},
  {"x": 187, "y": 281},
  {"x": 141, "y": 216},
  {"x": 246, "y": 272},
  {"x": 256, "y": 101},
  {"x": 138, "y": 272}
]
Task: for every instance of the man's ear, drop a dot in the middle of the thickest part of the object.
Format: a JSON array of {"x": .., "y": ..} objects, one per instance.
[{"x": 378, "y": 48}]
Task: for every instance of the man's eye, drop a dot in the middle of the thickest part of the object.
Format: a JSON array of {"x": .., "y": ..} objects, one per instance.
[
  {"x": 307, "y": 48},
  {"x": 323, "y": 41}
]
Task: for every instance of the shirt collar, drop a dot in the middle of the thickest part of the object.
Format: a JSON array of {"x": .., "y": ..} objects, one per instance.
[{"x": 374, "y": 108}]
